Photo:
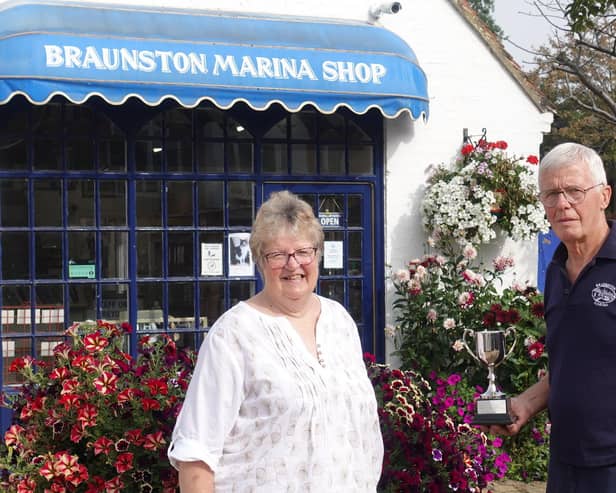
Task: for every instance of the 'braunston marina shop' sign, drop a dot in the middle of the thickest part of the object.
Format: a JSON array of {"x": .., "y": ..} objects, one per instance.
[{"x": 70, "y": 57}]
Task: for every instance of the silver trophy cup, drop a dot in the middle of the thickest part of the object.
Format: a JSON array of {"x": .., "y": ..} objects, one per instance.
[{"x": 492, "y": 407}]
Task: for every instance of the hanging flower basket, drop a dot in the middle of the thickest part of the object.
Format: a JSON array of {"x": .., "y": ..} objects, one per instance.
[{"x": 486, "y": 191}]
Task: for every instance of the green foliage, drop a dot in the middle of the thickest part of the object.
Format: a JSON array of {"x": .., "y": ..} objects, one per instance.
[
  {"x": 438, "y": 299},
  {"x": 581, "y": 13},
  {"x": 485, "y": 9}
]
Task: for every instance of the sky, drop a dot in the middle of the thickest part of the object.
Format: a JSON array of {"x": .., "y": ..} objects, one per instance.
[{"x": 525, "y": 30}]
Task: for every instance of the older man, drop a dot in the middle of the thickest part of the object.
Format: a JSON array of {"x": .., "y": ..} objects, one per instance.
[{"x": 580, "y": 312}]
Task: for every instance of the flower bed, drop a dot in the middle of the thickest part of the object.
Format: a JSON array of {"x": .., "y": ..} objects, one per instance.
[{"x": 96, "y": 420}]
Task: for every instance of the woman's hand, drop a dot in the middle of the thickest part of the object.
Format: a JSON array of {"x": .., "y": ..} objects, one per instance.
[{"x": 195, "y": 477}]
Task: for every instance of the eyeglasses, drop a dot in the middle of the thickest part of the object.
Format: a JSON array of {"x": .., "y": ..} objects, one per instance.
[
  {"x": 573, "y": 195},
  {"x": 302, "y": 256}
]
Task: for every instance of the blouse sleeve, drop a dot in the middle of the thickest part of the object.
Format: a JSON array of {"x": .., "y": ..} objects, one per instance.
[{"x": 212, "y": 400}]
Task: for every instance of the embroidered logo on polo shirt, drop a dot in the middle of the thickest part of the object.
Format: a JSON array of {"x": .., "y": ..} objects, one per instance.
[{"x": 603, "y": 294}]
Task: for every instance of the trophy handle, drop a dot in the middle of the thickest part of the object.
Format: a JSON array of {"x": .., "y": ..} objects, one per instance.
[
  {"x": 470, "y": 332},
  {"x": 509, "y": 331}
]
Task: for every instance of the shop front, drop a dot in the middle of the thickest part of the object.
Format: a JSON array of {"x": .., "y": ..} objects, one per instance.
[{"x": 136, "y": 146}]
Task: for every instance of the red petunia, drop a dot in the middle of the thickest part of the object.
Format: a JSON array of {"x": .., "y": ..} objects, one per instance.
[
  {"x": 95, "y": 342},
  {"x": 467, "y": 149},
  {"x": 532, "y": 159},
  {"x": 150, "y": 404},
  {"x": 124, "y": 462},
  {"x": 535, "y": 350},
  {"x": 102, "y": 446}
]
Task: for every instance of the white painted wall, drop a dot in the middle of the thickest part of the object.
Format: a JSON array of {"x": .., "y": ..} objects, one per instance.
[{"x": 468, "y": 88}]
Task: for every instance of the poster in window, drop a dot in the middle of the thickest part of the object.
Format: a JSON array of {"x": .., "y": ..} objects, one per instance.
[
  {"x": 240, "y": 258},
  {"x": 211, "y": 259},
  {"x": 333, "y": 256}
]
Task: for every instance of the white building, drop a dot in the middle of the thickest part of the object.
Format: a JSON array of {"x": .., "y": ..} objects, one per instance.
[{"x": 136, "y": 143}]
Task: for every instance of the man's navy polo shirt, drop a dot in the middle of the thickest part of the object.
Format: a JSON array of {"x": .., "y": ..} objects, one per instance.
[{"x": 581, "y": 340}]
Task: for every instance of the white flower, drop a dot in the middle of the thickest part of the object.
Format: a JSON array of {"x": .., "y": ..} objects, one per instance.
[
  {"x": 458, "y": 345},
  {"x": 529, "y": 340},
  {"x": 449, "y": 323}
]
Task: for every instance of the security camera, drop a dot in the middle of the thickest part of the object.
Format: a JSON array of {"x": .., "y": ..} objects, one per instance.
[{"x": 385, "y": 8}]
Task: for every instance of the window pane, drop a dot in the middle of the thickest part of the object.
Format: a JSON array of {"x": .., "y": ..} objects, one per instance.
[
  {"x": 45, "y": 347},
  {"x": 15, "y": 255},
  {"x": 14, "y": 203},
  {"x": 149, "y": 200},
  {"x": 355, "y": 301},
  {"x": 211, "y": 301},
  {"x": 181, "y": 306},
  {"x": 241, "y": 203},
  {"x": 180, "y": 254},
  {"x": 16, "y": 298},
  {"x": 354, "y": 211},
  {"x": 211, "y": 157},
  {"x": 361, "y": 159},
  {"x": 354, "y": 263},
  {"x": 304, "y": 159},
  {"x": 331, "y": 128},
  {"x": 180, "y": 203},
  {"x": 333, "y": 290},
  {"x": 337, "y": 236},
  {"x": 114, "y": 254},
  {"x": 48, "y": 255},
  {"x": 80, "y": 153},
  {"x": 240, "y": 291},
  {"x": 111, "y": 145},
  {"x": 274, "y": 158},
  {"x": 47, "y": 154},
  {"x": 240, "y": 157},
  {"x": 82, "y": 302},
  {"x": 209, "y": 123},
  {"x": 149, "y": 302},
  {"x": 13, "y": 153},
  {"x": 80, "y": 202},
  {"x": 82, "y": 247},
  {"x": 149, "y": 254},
  {"x": 11, "y": 349},
  {"x": 278, "y": 131},
  {"x": 179, "y": 155},
  {"x": 303, "y": 126},
  {"x": 211, "y": 203},
  {"x": 113, "y": 202},
  {"x": 47, "y": 203},
  {"x": 50, "y": 304},
  {"x": 115, "y": 303},
  {"x": 332, "y": 159},
  {"x": 149, "y": 156}
]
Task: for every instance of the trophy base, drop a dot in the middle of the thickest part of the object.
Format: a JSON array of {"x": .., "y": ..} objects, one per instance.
[{"x": 492, "y": 412}]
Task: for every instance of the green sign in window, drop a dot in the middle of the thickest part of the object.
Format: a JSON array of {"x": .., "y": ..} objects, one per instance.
[{"x": 82, "y": 271}]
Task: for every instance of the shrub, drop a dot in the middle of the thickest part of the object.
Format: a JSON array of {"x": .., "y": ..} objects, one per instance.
[
  {"x": 95, "y": 420},
  {"x": 429, "y": 444},
  {"x": 437, "y": 298}
]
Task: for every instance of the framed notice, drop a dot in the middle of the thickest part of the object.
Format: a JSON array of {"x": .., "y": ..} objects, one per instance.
[
  {"x": 240, "y": 258},
  {"x": 211, "y": 259},
  {"x": 333, "y": 256}
]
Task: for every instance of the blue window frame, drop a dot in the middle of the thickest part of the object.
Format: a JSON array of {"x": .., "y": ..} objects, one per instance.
[{"x": 109, "y": 212}]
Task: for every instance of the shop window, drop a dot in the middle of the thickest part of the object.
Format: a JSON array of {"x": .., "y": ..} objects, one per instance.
[
  {"x": 113, "y": 203},
  {"x": 80, "y": 203},
  {"x": 241, "y": 203},
  {"x": 149, "y": 253},
  {"x": 48, "y": 202},
  {"x": 211, "y": 203},
  {"x": 14, "y": 203},
  {"x": 15, "y": 246},
  {"x": 180, "y": 203},
  {"x": 48, "y": 255},
  {"x": 149, "y": 210}
]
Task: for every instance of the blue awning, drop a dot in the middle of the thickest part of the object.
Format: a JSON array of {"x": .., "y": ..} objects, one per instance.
[{"x": 118, "y": 52}]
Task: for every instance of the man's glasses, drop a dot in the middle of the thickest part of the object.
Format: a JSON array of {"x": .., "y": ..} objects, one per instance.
[
  {"x": 573, "y": 195},
  {"x": 303, "y": 256}
]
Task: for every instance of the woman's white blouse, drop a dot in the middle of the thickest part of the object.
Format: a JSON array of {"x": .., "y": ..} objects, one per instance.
[{"x": 267, "y": 417}]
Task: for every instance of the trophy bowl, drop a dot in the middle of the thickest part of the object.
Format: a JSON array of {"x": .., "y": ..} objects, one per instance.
[{"x": 492, "y": 407}]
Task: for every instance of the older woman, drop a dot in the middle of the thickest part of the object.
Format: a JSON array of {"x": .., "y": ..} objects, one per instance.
[{"x": 280, "y": 400}]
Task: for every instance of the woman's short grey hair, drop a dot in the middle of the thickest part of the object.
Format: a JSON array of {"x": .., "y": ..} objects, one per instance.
[
  {"x": 571, "y": 153},
  {"x": 284, "y": 213}
]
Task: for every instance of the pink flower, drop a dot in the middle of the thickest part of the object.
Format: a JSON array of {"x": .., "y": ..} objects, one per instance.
[
  {"x": 502, "y": 263},
  {"x": 102, "y": 446}
]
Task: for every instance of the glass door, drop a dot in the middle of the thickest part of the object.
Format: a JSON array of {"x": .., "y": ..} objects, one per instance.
[{"x": 347, "y": 270}]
